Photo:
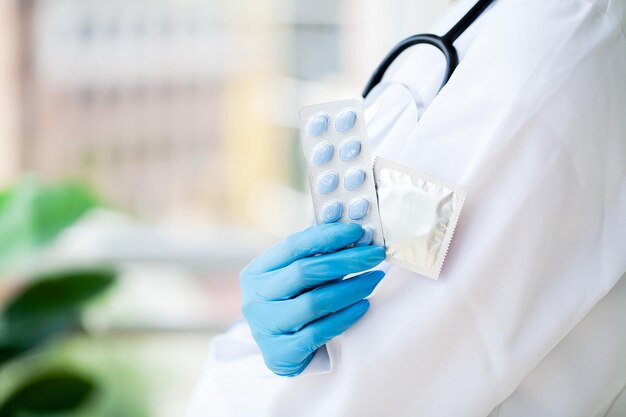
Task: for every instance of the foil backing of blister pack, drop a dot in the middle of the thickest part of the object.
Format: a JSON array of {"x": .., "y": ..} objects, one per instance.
[
  {"x": 362, "y": 161},
  {"x": 418, "y": 214}
]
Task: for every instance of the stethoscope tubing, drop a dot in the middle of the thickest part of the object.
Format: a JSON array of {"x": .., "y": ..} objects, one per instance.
[{"x": 444, "y": 43}]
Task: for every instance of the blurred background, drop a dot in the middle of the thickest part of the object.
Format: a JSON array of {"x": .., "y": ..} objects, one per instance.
[{"x": 149, "y": 150}]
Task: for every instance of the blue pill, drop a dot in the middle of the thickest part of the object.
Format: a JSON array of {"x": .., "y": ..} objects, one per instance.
[
  {"x": 350, "y": 149},
  {"x": 366, "y": 239},
  {"x": 354, "y": 179},
  {"x": 327, "y": 183},
  {"x": 345, "y": 120},
  {"x": 358, "y": 209},
  {"x": 322, "y": 153},
  {"x": 332, "y": 212},
  {"x": 317, "y": 125}
]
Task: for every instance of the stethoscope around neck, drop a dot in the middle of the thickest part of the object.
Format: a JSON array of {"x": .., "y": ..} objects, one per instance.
[{"x": 444, "y": 43}]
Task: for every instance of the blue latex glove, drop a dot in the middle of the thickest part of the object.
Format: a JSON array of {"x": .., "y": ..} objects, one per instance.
[{"x": 295, "y": 301}]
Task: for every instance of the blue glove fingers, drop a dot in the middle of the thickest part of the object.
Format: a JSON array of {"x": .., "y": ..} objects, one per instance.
[
  {"x": 312, "y": 241},
  {"x": 316, "y": 270},
  {"x": 291, "y": 353},
  {"x": 320, "y": 332},
  {"x": 288, "y": 368},
  {"x": 292, "y": 315}
]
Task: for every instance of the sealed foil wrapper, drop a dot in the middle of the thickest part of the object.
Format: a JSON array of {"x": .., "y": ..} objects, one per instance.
[{"x": 418, "y": 214}]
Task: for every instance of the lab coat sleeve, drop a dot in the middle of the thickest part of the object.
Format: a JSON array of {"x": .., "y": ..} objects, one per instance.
[
  {"x": 534, "y": 122},
  {"x": 235, "y": 377}
]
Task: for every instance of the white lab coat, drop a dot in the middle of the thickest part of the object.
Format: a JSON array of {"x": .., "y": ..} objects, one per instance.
[{"x": 528, "y": 317}]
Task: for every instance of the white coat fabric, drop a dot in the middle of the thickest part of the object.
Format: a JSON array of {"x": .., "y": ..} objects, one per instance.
[{"x": 528, "y": 317}]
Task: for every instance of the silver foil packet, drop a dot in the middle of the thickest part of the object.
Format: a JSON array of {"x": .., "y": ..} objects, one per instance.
[{"x": 418, "y": 215}]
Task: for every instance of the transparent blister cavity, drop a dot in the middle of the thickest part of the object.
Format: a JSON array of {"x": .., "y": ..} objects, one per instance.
[
  {"x": 418, "y": 214},
  {"x": 332, "y": 211},
  {"x": 339, "y": 166},
  {"x": 322, "y": 153},
  {"x": 327, "y": 183},
  {"x": 350, "y": 149},
  {"x": 345, "y": 120},
  {"x": 366, "y": 239},
  {"x": 317, "y": 125},
  {"x": 354, "y": 179},
  {"x": 358, "y": 208}
]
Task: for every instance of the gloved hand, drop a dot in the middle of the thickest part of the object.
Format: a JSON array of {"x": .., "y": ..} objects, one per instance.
[{"x": 295, "y": 301}]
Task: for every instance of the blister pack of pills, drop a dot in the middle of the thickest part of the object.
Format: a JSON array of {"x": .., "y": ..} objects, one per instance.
[{"x": 334, "y": 141}]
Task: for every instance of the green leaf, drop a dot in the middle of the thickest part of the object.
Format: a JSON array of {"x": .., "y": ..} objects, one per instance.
[
  {"x": 55, "y": 292},
  {"x": 4, "y": 194},
  {"x": 33, "y": 214},
  {"x": 48, "y": 306},
  {"x": 54, "y": 392}
]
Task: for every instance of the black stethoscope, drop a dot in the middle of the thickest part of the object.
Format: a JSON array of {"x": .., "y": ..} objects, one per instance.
[{"x": 444, "y": 43}]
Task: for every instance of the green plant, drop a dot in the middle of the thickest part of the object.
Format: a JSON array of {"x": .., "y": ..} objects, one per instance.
[
  {"x": 49, "y": 393},
  {"x": 48, "y": 306},
  {"x": 33, "y": 214}
]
